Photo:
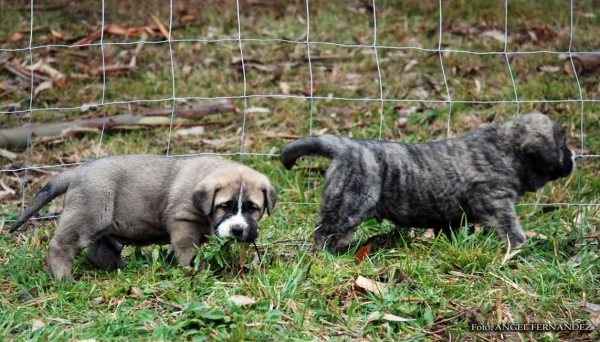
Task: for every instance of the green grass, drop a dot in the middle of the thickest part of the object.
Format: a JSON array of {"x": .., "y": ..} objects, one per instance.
[{"x": 442, "y": 286}]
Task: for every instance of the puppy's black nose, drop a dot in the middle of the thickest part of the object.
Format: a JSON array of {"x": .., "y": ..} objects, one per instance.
[{"x": 237, "y": 231}]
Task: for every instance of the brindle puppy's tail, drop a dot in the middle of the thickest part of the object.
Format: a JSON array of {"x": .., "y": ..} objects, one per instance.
[
  {"x": 328, "y": 146},
  {"x": 55, "y": 188}
]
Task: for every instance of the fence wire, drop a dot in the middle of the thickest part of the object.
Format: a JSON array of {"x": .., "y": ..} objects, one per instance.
[{"x": 240, "y": 40}]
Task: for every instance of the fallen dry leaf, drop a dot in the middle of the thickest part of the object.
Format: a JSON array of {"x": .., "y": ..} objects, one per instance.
[
  {"x": 198, "y": 130},
  {"x": 595, "y": 318},
  {"x": 495, "y": 35},
  {"x": 463, "y": 275},
  {"x": 411, "y": 64},
  {"x": 50, "y": 71},
  {"x": 37, "y": 324},
  {"x": 321, "y": 131},
  {"x": 7, "y": 154},
  {"x": 186, "y": 70},
  {"x": 188, "y": 17},
  {"x": 57, "y": 35},
  {"x": 117, "y": 29},
  {"x": 370, "y": 285},
  {"x": 429, "y": 234},
  {"x": 41, "y": 87},
  {"x": 242, "y": 300},
  {"x": 258, "y": 110},
  {"x": 6, "y": 190},
  {"x": 575, "y": 261},
  {"x": 548, "y": 69},
  {"x": 284, "y": 87},
  {"x": 406, "y": 112},
  {"x": 531, "y": 234},
  {"x": 362, "y": 253},
  {"x": 137, "y": 292},
  {"x": 377, "y": 316},
  {"x": 16, "y": 37},
  {"x": 161, "y": 27}
]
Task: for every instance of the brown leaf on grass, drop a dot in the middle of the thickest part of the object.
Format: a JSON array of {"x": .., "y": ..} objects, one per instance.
[
  {"x": 7, "y": 154},
  {"x": 362, "y": 253},
  {"x": 365, "y": 284},
  {"x": 575, "y": 261},
  {"x": 494, "y": 35},
  {"x": 137, "y": 292},
  {"x": 595, "y": 318},
  {"x": 57, "y": 35},
  {"x": 284, "y": 87},
  {"x": 548, "y": 69},
  {"x": 37, "y": 324},
  {"x": 429, "y": 234},
  {"x": 89, "y": 39},
  {"x": 462, "y": 275},
  {"x": 536, "y": 35},
  {"x": 531, "y": 234},
  {"x": 54, "y": 74},
  {"x": 377, "y": 316},
  {"x": 186, "y": 70},
  {"x": 242, "y": 300},
  {"x": 187, "y": 17},
  {"x": 161, "y": 27},
  {"x": 411, "y": 64},
  {"x": 16, "y": 36},
  {"x": 198, "y": 130},
  {"x": 6, "y": 190},
  {"x": 113, "y": 69},
  {"x": 117, "y": 29},
  {"x": 258, "y": 110},
  {"x": 41, "y": 87}
]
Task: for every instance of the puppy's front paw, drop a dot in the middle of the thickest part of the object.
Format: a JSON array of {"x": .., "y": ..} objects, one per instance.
[
  {"x": 516, "y": 239},
  {"x": 327, "y": 242}
]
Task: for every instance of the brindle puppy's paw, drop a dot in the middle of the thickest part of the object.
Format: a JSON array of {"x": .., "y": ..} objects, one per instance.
[
  {"x": 326, "y": 241},
  {"x": 516, "y": 239}
]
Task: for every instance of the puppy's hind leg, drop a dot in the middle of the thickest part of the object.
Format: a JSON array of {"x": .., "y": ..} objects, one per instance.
[
  {"x": 65, "y": 245},
  {"x": 78, "y": 228},
  {"x": 349, "y": 199},
  {"x": 105, "y": 253}
]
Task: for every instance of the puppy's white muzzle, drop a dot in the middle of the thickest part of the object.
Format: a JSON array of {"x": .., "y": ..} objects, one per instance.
[{"x": 235, "y": 226}]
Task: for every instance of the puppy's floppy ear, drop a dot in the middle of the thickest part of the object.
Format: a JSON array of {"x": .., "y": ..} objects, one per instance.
[
  {"x": 270, "y": 196},
  {"x": 539, "y": 145},
  {"x": 204, "y": 197}
]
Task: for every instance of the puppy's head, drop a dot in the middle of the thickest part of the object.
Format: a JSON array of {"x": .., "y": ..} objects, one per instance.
[
  {"x": 542, "y": 146},
  {"x": 234, "y": 200}
]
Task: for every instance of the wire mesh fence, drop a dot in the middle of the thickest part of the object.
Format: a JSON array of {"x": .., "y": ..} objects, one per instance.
[{"x": 376, "y": 45}]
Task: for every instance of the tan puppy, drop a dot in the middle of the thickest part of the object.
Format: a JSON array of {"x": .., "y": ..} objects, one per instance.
[{"x": 146, "y": 199}]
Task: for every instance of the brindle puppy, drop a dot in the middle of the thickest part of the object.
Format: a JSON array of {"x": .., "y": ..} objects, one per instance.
[{"x": 480, "y": 173}]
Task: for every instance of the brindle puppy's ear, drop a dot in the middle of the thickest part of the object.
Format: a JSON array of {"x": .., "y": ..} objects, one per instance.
[
  {"x": 270, "y": 196},
  {"x": 204, "y": 197},
  {"x": 540, "y": 147}
]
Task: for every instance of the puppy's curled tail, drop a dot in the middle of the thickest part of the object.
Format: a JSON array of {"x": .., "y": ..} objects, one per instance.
[
  {"x": 328, "y": 146},
  {"x": 55, "y": 188}
]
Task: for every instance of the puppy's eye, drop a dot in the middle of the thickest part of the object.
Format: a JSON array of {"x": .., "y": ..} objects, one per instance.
[
  {"x": 226, "y": 205},
  {"x": 249, "y": 206}
]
